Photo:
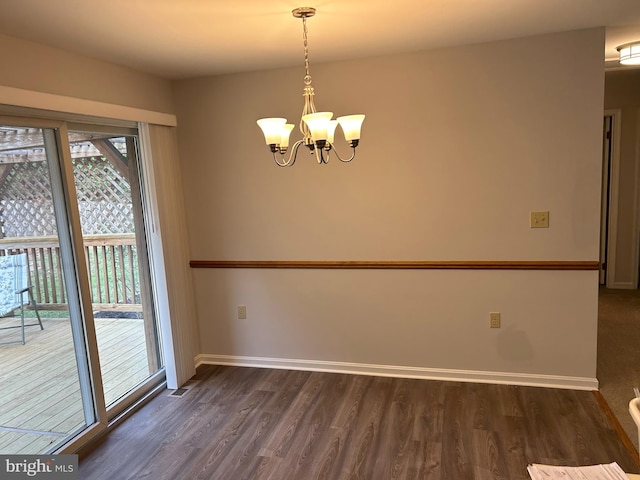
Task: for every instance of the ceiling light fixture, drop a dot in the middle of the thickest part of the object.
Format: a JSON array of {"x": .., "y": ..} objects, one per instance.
[
  {"x": 317, "y": 128},
  {"x": 629, "y": 53}
]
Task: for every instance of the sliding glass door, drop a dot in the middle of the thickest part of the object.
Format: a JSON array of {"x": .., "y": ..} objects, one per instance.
[
  {"x": 106, "y": 173},
  {"x": 72, "y": 230},
  {"x": 46, "y": 393}
]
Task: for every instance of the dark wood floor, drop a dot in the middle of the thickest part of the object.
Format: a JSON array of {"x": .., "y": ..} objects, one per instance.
[{"x": 246, "y": 423}]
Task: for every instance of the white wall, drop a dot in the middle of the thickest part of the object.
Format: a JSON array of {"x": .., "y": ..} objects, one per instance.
[
  {"x": 40, "y": 68},
  {"x": 459, "y": 145}
]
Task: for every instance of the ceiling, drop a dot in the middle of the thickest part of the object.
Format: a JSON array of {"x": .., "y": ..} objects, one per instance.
[{"x": 190, "y": 38}]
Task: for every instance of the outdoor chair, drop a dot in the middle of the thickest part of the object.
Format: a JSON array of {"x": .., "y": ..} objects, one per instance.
[{"x": 15, "y": 291}]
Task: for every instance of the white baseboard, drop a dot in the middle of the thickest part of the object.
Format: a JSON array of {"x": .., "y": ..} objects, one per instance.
[{"x": 549, "y": 381}]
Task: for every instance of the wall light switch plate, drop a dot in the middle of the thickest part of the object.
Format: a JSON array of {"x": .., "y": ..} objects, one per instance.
[{"x": 540, "y": 219}]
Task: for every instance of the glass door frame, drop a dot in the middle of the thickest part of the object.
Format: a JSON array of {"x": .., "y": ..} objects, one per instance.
[
  {"x": 158, "y": 379},
  {"x": 56, "y": 134}
]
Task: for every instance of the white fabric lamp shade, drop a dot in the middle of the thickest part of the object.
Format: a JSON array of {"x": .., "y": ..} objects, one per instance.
[
  {"x": 351, "y": 126},
  {"x": 318, "y": 124},
  {"x": 272, "y": 129}
]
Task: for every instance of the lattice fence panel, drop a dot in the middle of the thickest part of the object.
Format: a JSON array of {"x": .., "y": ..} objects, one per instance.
[
  {"x": 26, "y": 204},
  {"x": 104, "y": 199}
]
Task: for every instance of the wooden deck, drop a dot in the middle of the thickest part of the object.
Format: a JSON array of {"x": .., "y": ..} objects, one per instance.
[{"x": 40, "y": 402}]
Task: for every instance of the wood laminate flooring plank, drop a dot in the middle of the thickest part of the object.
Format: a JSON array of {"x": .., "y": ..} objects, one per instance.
[{"x": 259, "y": 424}]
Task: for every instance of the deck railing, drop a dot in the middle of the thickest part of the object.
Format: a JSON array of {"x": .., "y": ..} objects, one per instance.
[{"x": 112, "y": 265}]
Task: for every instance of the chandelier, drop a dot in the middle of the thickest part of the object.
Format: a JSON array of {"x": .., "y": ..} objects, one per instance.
[{"x": 317, "y": 128}]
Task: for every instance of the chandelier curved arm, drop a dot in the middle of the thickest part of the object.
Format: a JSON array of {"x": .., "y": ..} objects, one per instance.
[
  {"x": 293, "y": 153},
  {"x": 344, "y": 160}
]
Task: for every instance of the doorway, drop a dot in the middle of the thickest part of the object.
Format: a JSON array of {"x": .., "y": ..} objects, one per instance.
[
  {"x": 607, "y": 151},
  {"x": 609, "y": 197},
  {"x": 618, "y": 303}
]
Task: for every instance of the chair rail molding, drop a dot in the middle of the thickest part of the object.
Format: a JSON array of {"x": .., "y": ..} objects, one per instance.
[{"x": 397, "y": 265}]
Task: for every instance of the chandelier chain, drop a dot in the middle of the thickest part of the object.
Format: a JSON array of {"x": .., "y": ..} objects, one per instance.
[{"x": 307, "y": 77}]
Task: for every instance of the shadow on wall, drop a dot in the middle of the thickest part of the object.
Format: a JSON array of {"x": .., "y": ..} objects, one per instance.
[{"x": 513, "y": 344}]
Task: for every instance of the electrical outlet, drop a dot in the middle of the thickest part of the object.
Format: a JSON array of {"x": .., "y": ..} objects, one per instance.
[
  {"x": 494, "y": 319},
  {"x": 242, "y": 312},
  {"x": 539, "y": 219}
]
